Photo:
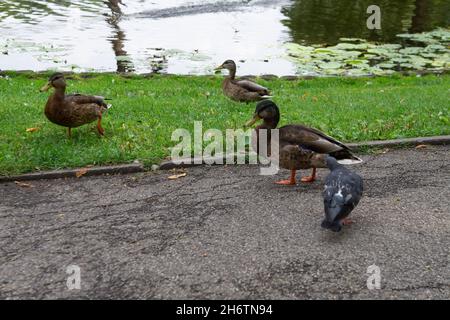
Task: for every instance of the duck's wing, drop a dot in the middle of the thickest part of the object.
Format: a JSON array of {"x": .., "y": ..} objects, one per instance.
[
  {"x": 310, "y": 138},
  {"x": 252, "y": 86},
  {"x": 81, "y": 99}
]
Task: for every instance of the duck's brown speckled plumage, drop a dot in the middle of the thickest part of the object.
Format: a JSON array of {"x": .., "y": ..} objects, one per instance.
[
  {"x": 72, "y": 110},
  {"x": 241, "y": 90}
]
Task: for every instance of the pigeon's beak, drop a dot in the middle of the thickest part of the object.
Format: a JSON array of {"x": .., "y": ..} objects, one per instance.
[
  {"x": 251, "y": 122},
  {"x": 46, "y": 87}
]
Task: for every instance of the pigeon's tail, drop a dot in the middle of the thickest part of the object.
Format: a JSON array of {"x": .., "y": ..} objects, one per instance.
[
  {"x": 333, "y": 226},
  {"x": 345, "y": 157}
]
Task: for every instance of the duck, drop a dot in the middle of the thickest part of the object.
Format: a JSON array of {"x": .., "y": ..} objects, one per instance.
[
  {"x": 300, "y": 147},
  {"x": 342, "y": 193},
  {"x": 72, "y": 110},
  {"x": 241, "y": 90}
]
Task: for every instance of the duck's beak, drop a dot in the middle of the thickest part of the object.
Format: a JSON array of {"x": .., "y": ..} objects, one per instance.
[
  {"x": 251, "y": 122},
  {"x": 218, "y": 68},
  {"x": 46, "y": 87}
]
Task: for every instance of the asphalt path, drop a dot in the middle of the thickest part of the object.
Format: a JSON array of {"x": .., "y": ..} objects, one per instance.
[{"x": 226, "y": 232}]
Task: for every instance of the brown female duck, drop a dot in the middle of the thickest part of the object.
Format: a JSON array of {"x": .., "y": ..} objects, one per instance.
[
  {"x": 241, "y": 90},
  {"x": 72, "y": 110},
  {"x": 300, "y": 147}
]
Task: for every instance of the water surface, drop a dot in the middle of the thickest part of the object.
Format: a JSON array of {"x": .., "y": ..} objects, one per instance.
[{"x": 192, "y": 37}]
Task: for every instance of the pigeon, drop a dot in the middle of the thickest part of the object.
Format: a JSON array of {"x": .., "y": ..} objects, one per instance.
[{"x": 342, "y": 192}]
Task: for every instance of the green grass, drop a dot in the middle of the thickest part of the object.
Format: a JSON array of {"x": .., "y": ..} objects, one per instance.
[{"x": 146, "y": 111}]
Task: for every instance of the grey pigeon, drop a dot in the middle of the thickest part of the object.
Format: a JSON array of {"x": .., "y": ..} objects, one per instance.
[{"x": 343, "y": 190}]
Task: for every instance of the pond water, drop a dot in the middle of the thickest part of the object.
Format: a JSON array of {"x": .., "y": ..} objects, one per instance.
[{"x": 194, "y": 36}]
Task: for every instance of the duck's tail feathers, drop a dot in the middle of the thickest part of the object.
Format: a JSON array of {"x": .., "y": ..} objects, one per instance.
[
  {"x": 354, "y": 160},
  {"x": 345, "y": 157},
  {"x": 106, "y": 106}
]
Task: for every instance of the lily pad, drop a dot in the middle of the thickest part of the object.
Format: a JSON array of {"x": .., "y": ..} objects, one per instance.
[
  {"x": 435, "y": 48},
  {"x": 358, "y": 57},
  {"x": 352, "y": 46},
  {"x": 330, "y": 65},
  {"x": 356, "y": 62},
  {"x": 411, "y": 50},
  {"x": 386, "y": 65},
  {"x": 353, "y": 40}
]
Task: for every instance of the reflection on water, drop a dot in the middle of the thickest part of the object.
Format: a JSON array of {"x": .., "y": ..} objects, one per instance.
[
  {"x": 325, "y": 21},
  {"x": 192, "y": 36}
]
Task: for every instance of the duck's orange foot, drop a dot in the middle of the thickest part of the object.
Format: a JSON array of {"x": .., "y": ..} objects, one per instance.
[
  {"x": 347, "y": 221},
  {"x": 286, "y": 182},
  {"x": 309, "y": 179}
]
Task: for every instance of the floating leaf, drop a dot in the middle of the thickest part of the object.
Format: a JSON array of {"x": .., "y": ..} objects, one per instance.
[
  {"x": 355, "y": 62},
  {"x": 386, "y": 65},
  {"x": 411, "y": 50},
  {"x": 330, "y": 65}
]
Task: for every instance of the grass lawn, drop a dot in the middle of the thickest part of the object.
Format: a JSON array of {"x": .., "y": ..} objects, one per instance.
[{"x": 146, "y": 111}]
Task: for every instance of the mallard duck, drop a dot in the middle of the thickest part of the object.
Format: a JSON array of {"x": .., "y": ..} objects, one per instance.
[
  {"x": 343, "y": 190},
  {"x": 72, "y": 110},
  {"x": 300, "y": 147},
  {"x": 241, "y": 90}
]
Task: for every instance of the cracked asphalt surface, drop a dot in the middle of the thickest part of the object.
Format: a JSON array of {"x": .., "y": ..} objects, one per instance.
[{"x": 229, "y": 233}]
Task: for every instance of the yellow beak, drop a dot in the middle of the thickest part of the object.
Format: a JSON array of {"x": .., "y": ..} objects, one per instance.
[
  {"x": 252, "y": 121},
  {"x": 219, "y": 68},
  {"x": 46, "y": 87}
]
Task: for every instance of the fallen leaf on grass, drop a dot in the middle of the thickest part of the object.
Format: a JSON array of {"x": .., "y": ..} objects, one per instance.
[
  {"x": 81, "y": 172},
  {"x": 177, "y": 176},
  {"x": 421, "y": 146},
  {"x": 32, "y": 129},
  {"x": 24, "y": 185}
]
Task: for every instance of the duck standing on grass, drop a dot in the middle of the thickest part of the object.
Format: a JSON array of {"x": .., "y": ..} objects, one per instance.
[
  {"x": 241, "y": 90},
  {"x": 343, "y": 190},
  {"x": 72, "y": 110},
  {"x": 300, "y": 147}
]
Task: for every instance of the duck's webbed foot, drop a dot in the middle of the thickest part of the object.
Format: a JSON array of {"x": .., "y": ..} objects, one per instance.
[
  {"x": 290, "y": 182},
  {"x": 310, "y": 178}
]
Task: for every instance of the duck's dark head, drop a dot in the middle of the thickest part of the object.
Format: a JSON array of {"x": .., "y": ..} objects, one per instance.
[
  {"x": 267, "y": 111},
  {"x": 56, "y": 80},
  {"x": 230, "y": 65}
]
